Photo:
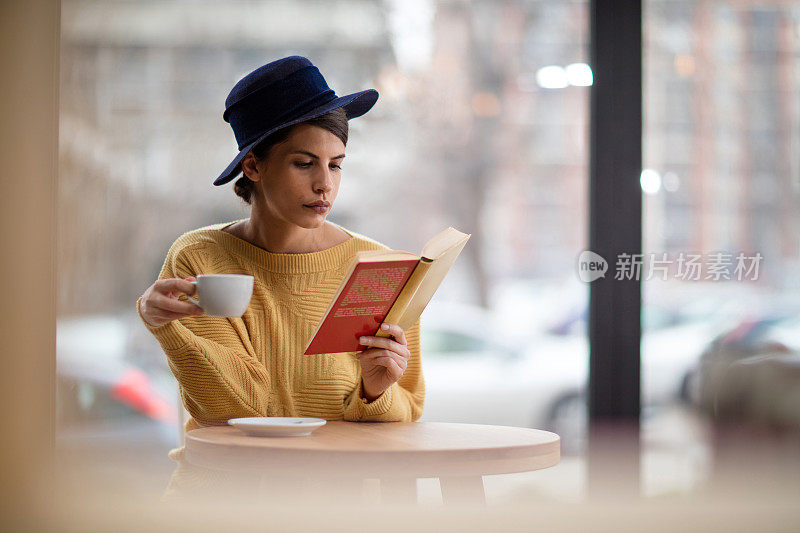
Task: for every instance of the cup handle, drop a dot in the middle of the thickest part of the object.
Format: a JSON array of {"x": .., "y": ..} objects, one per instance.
[{"x": 195, "y": 302}]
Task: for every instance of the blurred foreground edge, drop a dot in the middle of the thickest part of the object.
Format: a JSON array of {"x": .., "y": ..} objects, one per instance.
[{"x": 29, "y": 51}]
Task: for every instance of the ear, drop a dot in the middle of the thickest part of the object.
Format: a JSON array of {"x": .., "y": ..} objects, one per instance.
[{"x": 249, "y": 167}]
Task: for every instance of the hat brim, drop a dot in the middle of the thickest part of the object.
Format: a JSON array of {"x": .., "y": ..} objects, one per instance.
[{"x": 355, "y": 105}]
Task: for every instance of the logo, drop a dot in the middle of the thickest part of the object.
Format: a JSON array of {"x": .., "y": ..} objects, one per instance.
[{"x": 591, "y": 266}]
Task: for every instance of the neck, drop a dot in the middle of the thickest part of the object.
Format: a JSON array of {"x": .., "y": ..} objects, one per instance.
[{"x": 283, "y": 237}]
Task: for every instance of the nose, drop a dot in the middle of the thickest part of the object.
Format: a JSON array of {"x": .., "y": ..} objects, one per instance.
[{"x": 323, "y": 180}]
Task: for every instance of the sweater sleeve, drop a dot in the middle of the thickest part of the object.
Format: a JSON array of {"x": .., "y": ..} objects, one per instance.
[
  {"x": 403, "y": 401},
  {"x": 211, "y": 357}
]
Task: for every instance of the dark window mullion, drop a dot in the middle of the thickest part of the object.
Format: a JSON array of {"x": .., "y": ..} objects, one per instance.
[{"x": 615, "y": 227}]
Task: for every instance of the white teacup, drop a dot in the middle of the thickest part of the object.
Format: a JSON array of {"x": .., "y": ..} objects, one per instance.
[{"x": 223, "y": 294}]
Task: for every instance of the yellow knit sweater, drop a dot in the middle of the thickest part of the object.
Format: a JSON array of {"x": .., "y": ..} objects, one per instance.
[{"x": 254, "y": 365}]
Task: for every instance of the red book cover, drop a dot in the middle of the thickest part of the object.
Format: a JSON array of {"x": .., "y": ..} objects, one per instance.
[{"x": 361, "y": 305}]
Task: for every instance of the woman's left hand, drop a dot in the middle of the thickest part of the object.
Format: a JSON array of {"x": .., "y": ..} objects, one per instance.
[{"x": 384, "y": 362}]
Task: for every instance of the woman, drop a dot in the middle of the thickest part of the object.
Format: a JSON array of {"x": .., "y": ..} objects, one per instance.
[{"x": 291, "y": 130}]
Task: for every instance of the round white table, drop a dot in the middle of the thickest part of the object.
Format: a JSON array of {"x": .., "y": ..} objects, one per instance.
[{"x": 397, "y": 453}]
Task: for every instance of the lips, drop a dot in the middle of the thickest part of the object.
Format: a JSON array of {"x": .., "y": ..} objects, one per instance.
[{"x": 319, "y": 208}]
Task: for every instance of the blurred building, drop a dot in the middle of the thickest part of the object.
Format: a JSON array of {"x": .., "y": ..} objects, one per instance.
[
  {"x": 722, "y": 130},
  {"x": 462, "y": 134},
  {"x": 143, "y": 90},
  {"x": 479, "y": 126}
]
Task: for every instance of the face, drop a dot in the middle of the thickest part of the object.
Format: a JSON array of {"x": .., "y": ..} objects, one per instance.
[{"x": 303, "y": 169}]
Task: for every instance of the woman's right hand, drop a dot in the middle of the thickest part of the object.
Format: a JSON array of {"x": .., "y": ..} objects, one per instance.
[{"x": 160, "y": 303}]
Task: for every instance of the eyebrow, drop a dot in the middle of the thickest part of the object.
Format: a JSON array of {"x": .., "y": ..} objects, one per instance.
[{"x": 315, "y": 156}]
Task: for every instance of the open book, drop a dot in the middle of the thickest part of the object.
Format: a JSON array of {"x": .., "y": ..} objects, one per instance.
[{"x": 384, "y": 286}]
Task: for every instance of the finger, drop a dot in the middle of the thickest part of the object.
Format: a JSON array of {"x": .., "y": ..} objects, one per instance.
[
  {"x": 165, "y": 286},
  {"x": 383, "y": 342},
  {"x": 398, "y": 370},
  {"x": 379, "y": 357},
  {"x": 401, "y": 363},
  {"x": 174, "y": 305},
  {"x": 169, "y": 316},
  {"x": 175, "y": 314},
  {"x": 393, "y": 368},
  {"x": 396, "y": 331},
  {"x": 371, "y": 353}
]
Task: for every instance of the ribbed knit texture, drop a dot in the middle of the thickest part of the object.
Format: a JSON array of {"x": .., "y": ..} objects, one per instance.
[{"x": 254, "y": 365}]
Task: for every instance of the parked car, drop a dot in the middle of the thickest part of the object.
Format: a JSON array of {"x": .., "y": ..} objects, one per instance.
[
  {"x": 752, "y": 370},
  {"x": 102, "y": 399},
  {"x": 473, "y": 375}
]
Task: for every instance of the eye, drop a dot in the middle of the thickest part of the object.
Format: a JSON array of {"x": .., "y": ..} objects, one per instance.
[
  {"x": 336, "y": 167},
  {"x": 303, "y": 165}
]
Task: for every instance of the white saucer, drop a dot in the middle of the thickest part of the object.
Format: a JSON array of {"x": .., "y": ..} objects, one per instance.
[{"x": 277, "y": 426}]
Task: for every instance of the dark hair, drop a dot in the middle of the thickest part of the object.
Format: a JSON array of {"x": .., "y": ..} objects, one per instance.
[{"x": 334, "y": 121}]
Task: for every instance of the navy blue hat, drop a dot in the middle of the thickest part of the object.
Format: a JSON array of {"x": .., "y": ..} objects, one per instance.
[{"x": 280, "y": 94}]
